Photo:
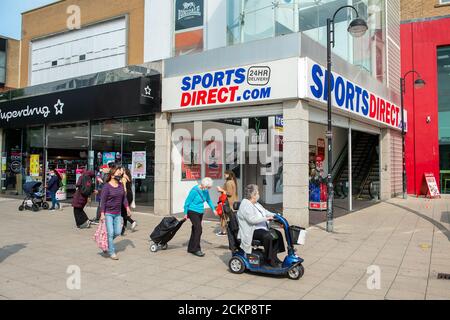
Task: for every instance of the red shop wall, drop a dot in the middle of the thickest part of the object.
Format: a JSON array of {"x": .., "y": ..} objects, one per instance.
[{"x": 419, "y": 42}]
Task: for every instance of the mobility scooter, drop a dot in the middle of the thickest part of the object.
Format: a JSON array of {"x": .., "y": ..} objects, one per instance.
[{"x": 240, "y": 261}]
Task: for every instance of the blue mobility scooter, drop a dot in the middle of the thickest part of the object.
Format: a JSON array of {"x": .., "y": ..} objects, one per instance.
[{"x": 240, "y": 261}]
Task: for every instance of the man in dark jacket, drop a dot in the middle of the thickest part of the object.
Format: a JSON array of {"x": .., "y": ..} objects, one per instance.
[
  {"x": 79, "y": 200},
  {"x": 53, "y": 187}
]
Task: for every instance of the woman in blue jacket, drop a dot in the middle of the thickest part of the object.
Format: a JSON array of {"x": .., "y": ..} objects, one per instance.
[
  {"x": 53, "y": 187},
  {"x": 194, "y": 209}
]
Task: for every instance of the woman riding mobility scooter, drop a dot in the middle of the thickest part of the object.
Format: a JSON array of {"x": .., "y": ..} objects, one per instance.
[{"x": 255, "y": 262}]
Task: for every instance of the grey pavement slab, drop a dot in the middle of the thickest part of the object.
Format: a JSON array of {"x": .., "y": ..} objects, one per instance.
[{"x": 408, "y": 241}]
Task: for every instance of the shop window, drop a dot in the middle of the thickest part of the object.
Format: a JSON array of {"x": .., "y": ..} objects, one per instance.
[{"x": 443, "y": 62}]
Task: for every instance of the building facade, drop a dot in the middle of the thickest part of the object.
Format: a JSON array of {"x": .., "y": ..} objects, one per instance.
[
  {"x": 85, "y": 99},
  {"x": 426, "y": 49},
  {"x": 243, "y": 91},
  {"x": 9, "y": 63}
]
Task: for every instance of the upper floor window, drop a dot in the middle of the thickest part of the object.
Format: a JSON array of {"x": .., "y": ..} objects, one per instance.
[{"x": 2, "y": 62}]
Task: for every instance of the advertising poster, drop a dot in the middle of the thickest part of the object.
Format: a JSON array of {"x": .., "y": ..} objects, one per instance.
[
  {"x": 61, "y": 194},
  {"x": 188, "y": 14},
  {"x": 188, "y": 42},
  {"x": 232, "y": 159},
  {"x": 139, "y": 165},
  {"x": 279, "y": 123},
  {"x": 34, "y": 165},
  {"x": 278, "y": 179},
  {"x": 278, "y": 143},
  {"x": 213, "y": 159},
  {"x": 109, "y": 157},
  {"x": 191, "y": 168}
]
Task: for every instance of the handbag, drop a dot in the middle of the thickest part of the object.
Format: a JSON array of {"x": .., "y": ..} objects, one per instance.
[{"x": 101, "y": 236}]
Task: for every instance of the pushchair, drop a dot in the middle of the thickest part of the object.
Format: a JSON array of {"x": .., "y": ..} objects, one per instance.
[
  {"x": 164, "y": 232},
  {"x": 34, "y": 197}
]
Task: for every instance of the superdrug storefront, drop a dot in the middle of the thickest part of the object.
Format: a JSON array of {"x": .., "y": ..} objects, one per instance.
[{"x": 80, "y": 129}]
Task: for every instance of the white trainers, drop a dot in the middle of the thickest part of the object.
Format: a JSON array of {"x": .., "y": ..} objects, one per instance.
[
  {"x": 133, "y": 226},
  {"x": 114, "y": 257}
]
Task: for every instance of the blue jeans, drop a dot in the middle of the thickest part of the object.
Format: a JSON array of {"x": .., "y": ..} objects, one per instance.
[
  {"x": 54, "y": 201},
  {"x": 114, "y": 224}
]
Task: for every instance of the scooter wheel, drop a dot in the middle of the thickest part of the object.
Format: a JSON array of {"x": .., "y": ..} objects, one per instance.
[
  {"x": 45, "y": 206},
  {"x": 236, "y": 265},
  {"x": 35, "y": 208},
  {"x": 153, "y": 248},
  {"x": 21, "y": 208},
  {"x": 164, "y": 247},
  {"x": 296, "y": 272}
]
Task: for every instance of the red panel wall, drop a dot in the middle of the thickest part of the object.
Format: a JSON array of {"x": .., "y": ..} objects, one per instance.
[{"x": 419, "y": 42}]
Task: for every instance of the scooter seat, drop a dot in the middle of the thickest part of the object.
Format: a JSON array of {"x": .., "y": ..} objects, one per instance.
[{"x": 256, "y": 243}]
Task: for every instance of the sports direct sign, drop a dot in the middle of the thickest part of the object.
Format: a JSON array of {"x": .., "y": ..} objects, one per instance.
[
  {"x": 347, "y": 96},
  {"x": 276, "y": 80}
]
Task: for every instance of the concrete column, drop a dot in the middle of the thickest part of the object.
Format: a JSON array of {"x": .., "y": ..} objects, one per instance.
[
  {"x": 385, "y": 164},
  {"x": 162, "y": 164},
  {"x": 295, "y": 162}
]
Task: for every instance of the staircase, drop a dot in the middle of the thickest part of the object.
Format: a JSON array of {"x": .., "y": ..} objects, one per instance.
[{"x": 365, "y": 166}]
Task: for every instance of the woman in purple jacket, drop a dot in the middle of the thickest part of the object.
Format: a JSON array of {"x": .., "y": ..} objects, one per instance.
[{"x": 113, "y": 197}]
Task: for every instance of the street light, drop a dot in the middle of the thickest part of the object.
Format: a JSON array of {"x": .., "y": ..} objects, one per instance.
[
  {"x": 419, "y": 83},
  {"x": 356, "y": 28}
]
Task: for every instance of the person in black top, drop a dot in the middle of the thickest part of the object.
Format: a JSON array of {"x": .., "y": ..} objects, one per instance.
[
  {"x": 127, "y": 183},
  {"x": 53, "y": 186}
]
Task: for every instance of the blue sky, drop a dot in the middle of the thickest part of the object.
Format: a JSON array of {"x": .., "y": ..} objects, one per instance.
[{"x": 10, "y": 15}]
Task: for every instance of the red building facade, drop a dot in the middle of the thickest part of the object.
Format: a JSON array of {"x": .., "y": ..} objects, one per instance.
[{"x": 420, "y": 41}]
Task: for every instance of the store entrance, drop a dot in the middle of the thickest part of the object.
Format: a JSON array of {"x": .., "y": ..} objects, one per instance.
[{"x": 356, "y": 154}]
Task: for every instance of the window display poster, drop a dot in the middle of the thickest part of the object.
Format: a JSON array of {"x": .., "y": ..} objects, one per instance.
[
  {"x": 279, "y": 143},
  {"x": 278, "y": 179},
  {"x": 61, "y": 194},
  {"x": 213, "y": 157},
  {"x": 191, "y": 168},
  {"x": 34, "y": 165},
  {"x": 279, "y": 123},
  {"x": 109, "y": 157},
  {"x": 232, "y": 154},
  {"x": 139, "y": 165}
]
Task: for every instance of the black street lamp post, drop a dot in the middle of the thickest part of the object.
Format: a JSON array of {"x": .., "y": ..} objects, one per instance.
[
  {"x": 356, "y": 28},
  {"x": 419, "y": 83}
]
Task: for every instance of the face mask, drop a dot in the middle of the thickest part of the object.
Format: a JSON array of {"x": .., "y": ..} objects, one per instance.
[
  {"x": 257, "y": 198},
  {"x": 118, "y": 178}
]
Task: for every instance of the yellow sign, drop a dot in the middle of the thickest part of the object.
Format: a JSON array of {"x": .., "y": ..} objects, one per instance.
[{"x": 34, "y": 165}]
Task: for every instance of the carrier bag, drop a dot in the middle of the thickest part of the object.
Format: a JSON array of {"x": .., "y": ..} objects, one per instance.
[{"x": 101, "y": 236}]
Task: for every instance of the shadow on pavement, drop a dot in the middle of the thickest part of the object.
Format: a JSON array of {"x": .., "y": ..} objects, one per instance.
[
  {"x": 438, "y": 225},
  {"x": 9, "y": 250},
  {"x": 123, "y": 244}
]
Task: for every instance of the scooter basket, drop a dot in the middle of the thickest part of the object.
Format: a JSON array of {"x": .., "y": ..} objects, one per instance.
[{"x": 295, "y": 232}]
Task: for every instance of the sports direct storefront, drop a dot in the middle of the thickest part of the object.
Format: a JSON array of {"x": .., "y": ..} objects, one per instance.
[{"x": 265, "y": 123}]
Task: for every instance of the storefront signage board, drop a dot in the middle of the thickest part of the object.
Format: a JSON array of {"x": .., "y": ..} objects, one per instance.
[
  {"x": 117, "y": 99},
  {"x": 238, "y": 86},
  {"x": 188, "y": 14},
  {"x": 287, "y": 79},
  {"x": 429, "y": 186},
  {"x": 347, "y": 96}
]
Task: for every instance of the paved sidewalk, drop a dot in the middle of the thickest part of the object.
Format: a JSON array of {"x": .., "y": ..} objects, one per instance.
[{"x": 409, "y": 241}]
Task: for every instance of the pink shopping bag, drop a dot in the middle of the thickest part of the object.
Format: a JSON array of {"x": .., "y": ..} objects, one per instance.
[{"x": 101, "y": 236}]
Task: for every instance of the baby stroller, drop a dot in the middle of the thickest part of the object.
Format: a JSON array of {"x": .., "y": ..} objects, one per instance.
[
  {"x": 164, "y": 232},
  {"x": 34, "y": 197}
]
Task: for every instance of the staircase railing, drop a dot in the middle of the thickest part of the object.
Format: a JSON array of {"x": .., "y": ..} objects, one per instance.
[{"x": 371, "y": 160}]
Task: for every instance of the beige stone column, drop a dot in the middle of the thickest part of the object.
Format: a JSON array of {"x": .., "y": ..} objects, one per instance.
[
  {"x": 385, "y": 164},
  {"x": 295, "y": 162},
  {"x": 162, "y": 164}
]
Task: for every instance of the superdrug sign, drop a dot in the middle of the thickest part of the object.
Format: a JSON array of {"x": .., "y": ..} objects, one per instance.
[{"x": 118, "y": 99}]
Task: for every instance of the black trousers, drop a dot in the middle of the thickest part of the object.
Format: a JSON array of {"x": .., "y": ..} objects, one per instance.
[
  {"x": 271, "y": 246},
  {"x": 196, "y": 232},
  {"x": 80, "y": 216},
  {"x": 126, "y": 219}
]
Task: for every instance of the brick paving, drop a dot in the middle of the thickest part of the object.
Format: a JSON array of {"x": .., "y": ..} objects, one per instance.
[{"x": 409, "y": 241}]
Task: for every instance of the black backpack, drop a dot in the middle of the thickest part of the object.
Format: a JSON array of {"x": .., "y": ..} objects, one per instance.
[{"x": 86, "y": 187}]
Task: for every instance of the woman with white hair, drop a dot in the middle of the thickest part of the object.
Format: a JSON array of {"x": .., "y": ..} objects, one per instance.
[
  {"x": 193, "y": 209},
  {"x": 253, "y": 225}
]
